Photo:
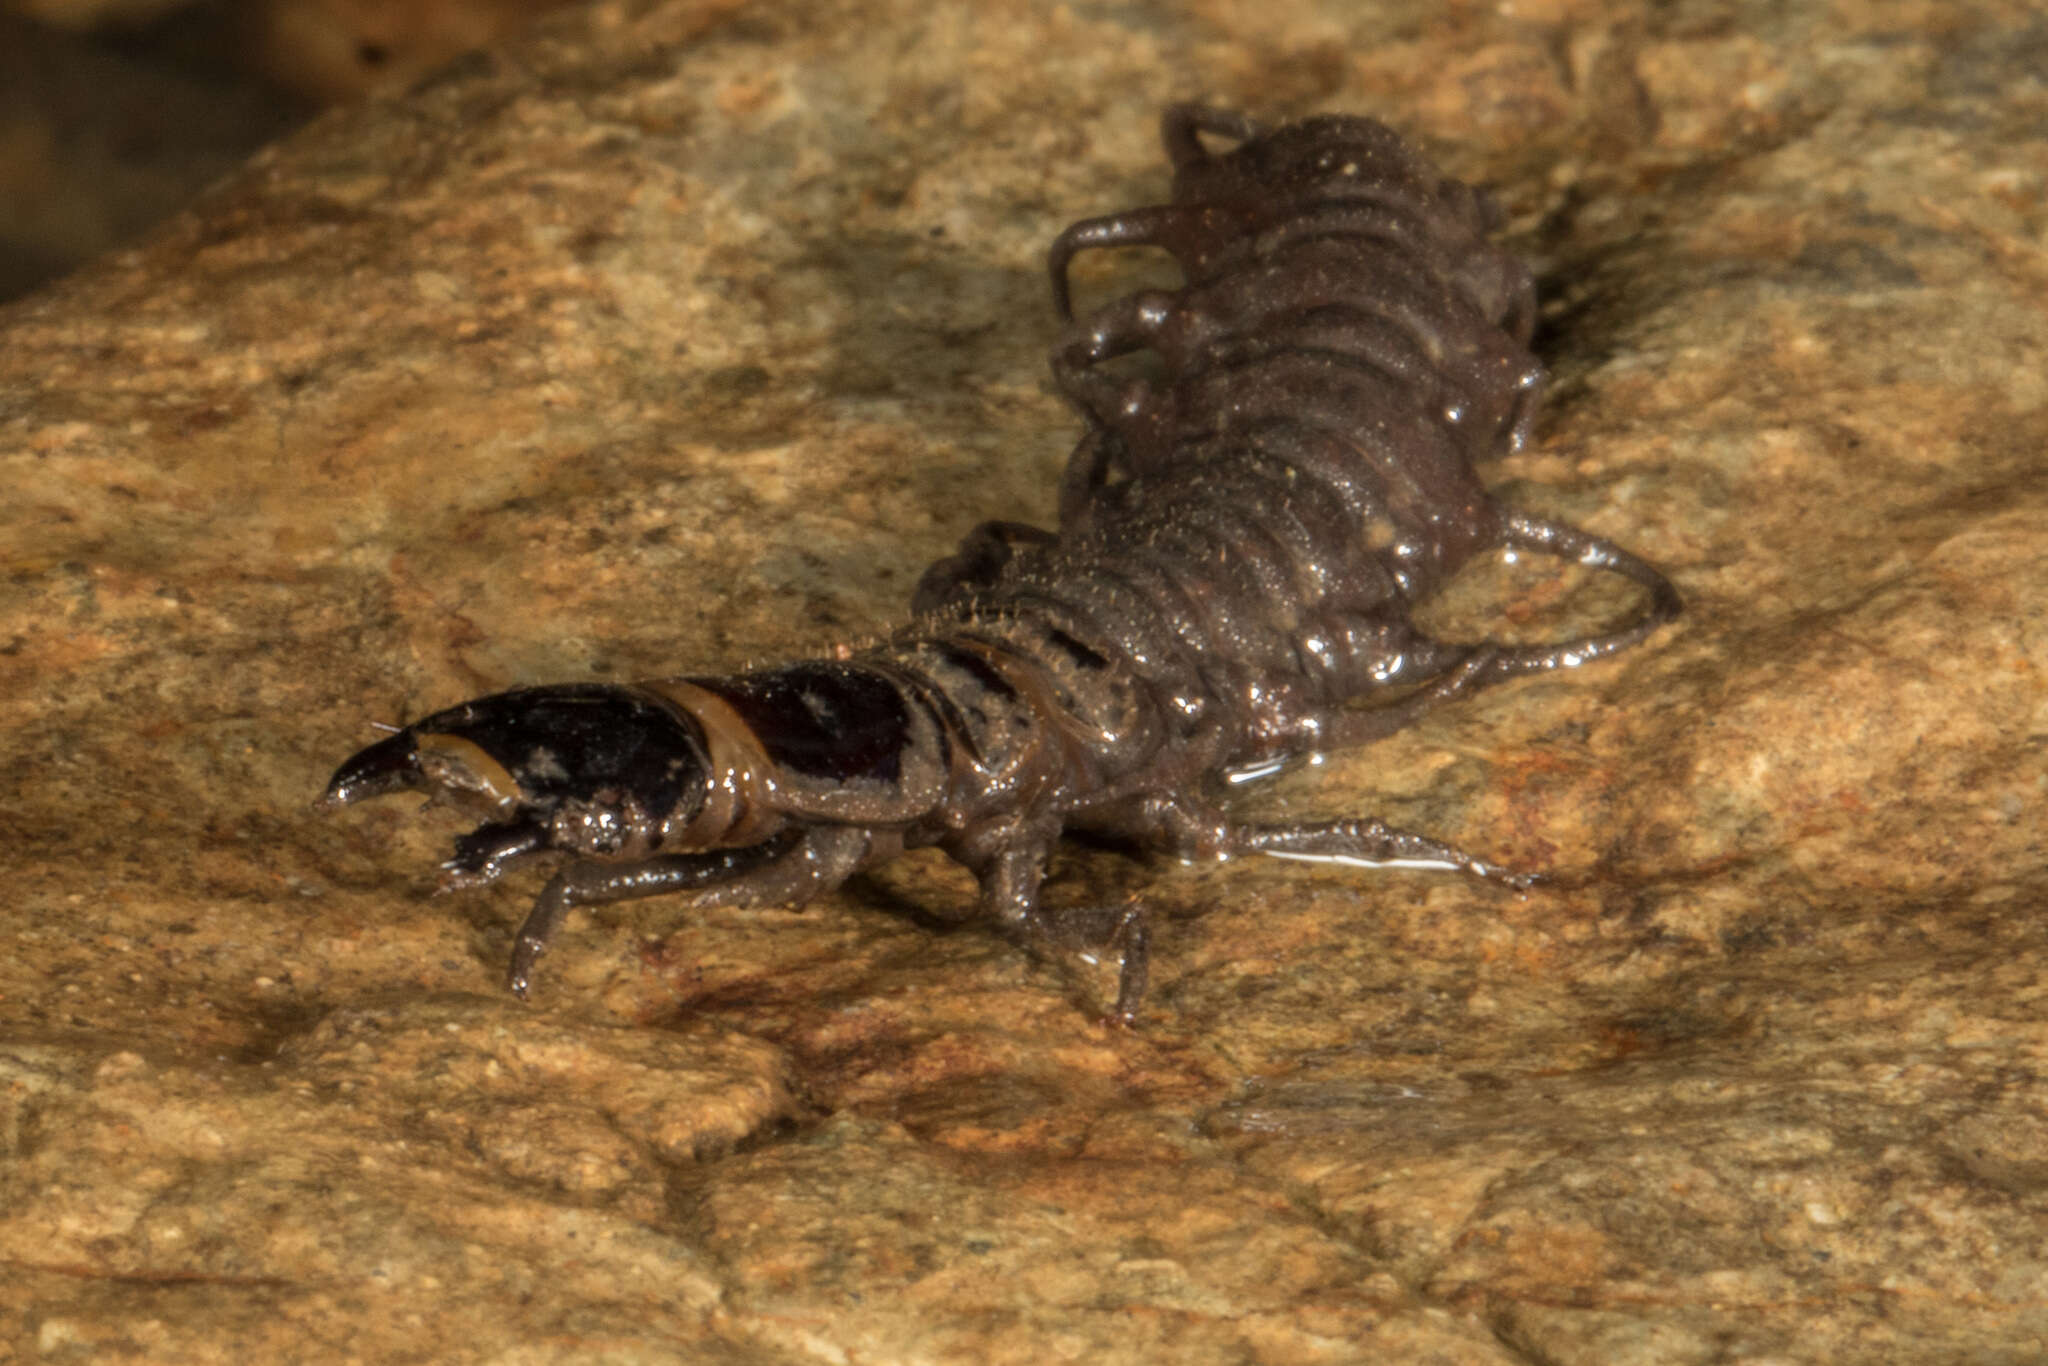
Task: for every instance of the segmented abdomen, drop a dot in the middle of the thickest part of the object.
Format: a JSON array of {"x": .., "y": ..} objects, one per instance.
[{"x": 1246, "y": 534}]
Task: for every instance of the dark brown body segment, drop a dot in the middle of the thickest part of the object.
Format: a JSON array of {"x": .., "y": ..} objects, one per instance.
[{"x": 1243, "y": 541}]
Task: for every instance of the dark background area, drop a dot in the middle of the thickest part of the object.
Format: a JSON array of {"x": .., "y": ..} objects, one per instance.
[{"x": 115, "y": 113}]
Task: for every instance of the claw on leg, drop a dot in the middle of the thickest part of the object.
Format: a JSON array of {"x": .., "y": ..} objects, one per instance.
[
  {"x": 1368, "y": 843},
  {"x": 483, "y": 855},
  {"x": 550, "y": 909},
  {"x": 1134, "y": 932},
  {"x": 1009, "y": 900},
  {"x": 1193, "y": 830},
  {"x": 1074, "y": 942},
  {"x": 786, "y": 870}
]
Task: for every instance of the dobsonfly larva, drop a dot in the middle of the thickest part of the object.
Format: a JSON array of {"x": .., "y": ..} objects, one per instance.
[{"x": 1244, "y": 537}]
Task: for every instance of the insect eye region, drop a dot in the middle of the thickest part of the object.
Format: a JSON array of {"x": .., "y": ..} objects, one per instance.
[{"x": 576, "y": 750}]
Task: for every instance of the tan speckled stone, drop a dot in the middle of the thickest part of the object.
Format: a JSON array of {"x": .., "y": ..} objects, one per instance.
[{"x": 672, "y": 340}]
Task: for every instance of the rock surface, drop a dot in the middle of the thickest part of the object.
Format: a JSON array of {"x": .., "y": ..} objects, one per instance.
[{"x": 683, "y": 335}]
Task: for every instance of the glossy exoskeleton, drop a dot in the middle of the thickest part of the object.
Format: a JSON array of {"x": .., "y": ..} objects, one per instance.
[{"x": 1244, "y": 537}]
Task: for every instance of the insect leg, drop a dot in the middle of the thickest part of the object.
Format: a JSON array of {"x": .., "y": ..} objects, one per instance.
[
  {"x": 774, "y": 872},
  {"x": 1156, "y": 225},
  {"x": 1528, "y": 394},
  {"x": 485, "y": 853},
  {"x": 1474, "y": 664},
  {"x": 1181, "y": 127},
  {"x": 1344, "y": 727},
  {"x": 1134, "y": 970},
  {"x": 1195, "y": 830},
  {"x": 975, "y": 565},
  {"x": 1520, "y": 530},
  {"x": 1129, "y": 324},
  {"x": 1462, "y": 668},
  {"x": 1087, "y": 473},
  {"x": 1363, "y": 843},
  {"x": 1009, "y": 898},
  {"x": 1130, "y": 419}
]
